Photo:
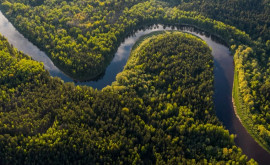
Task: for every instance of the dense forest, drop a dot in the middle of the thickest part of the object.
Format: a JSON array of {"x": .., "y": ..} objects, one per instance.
[
  {"x": 251, "y": 16},
  {"x": 159, "y": 111},
  {"x": 81, "y": 37}
]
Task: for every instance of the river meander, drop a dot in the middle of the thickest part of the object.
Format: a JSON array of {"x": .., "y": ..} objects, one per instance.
[{"x": 223, "y": 77}]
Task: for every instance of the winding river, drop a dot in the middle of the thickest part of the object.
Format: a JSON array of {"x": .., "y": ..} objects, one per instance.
[{"x": 223, "y": 77}]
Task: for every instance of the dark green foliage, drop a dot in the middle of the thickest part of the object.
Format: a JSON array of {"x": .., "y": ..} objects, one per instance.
[
  {"x": 81, "y": 37},
  {"x": 251, "y": 16},
  {"x": 156, "y": 118}
]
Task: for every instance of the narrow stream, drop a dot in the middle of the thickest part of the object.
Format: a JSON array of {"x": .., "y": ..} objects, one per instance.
[{"x": 223, "y": 77}]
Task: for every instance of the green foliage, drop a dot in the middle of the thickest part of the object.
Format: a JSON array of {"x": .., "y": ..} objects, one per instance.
[
  {"x": 162, "y": 117},
  {"x": 250, "y": 16},
  {"x": 82, "y": 36}
]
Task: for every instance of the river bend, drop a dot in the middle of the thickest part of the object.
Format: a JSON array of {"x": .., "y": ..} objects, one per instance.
[{"x": 223, "y": 77}]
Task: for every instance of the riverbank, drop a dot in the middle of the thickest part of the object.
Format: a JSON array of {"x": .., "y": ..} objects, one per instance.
[{"x": 242, "y": 113}]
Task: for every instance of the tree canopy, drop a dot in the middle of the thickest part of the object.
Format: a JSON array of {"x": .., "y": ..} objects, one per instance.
[{"x": 159, "y": 111}]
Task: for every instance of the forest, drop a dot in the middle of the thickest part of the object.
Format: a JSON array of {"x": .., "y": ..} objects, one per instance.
[
  {"x": 148, "y": 116},
  {"x": 81, "y": 37},
  {"x": 163, "y": 100}
]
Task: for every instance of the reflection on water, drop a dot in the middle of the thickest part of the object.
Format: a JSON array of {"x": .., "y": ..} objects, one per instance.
[
  {"x": 22, "y": 44},
  {"x": 223, "y": 76}
]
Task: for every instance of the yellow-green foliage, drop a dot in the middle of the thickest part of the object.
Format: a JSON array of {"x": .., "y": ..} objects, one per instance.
[
  {"x": 82, "y": 36},
  {"x": 159, "y": 116}
]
